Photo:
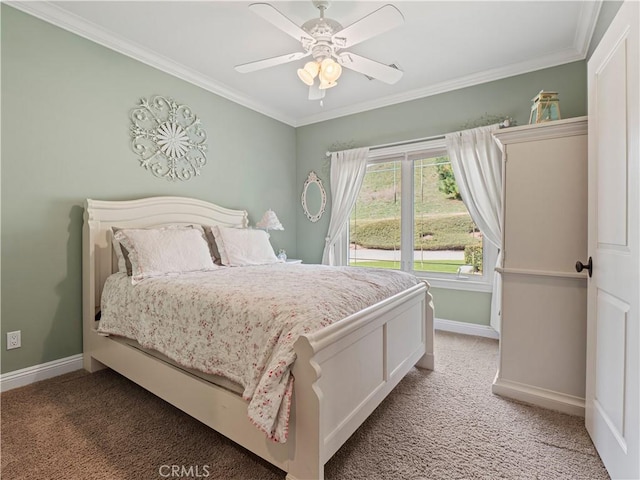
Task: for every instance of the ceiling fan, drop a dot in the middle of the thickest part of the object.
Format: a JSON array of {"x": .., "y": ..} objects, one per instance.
[{"x": 324, "y": 39}]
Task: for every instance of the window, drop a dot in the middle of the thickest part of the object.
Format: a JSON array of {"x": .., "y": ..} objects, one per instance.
[
  {"x": 374, "y": 229},
  {"x": 409, "y": 216}
]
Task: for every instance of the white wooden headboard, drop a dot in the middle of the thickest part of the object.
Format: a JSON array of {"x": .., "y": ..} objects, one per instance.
[{"x": 98, "y": 260}]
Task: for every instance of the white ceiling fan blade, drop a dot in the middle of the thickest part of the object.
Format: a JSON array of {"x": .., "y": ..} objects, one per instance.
[
  {"x": 380, "y": 21},
  {"x": 371, "y": 68},
  {"x": 270, "y": 62},
  {"x": 273, "y": 16},
  {"x": 315, "y": 93}
]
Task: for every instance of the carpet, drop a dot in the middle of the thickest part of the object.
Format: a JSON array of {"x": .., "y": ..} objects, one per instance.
[{"x": 441, "y": 424}]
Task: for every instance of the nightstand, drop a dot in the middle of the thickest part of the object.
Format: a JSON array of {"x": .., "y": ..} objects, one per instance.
[{"x": 294, "y": 260}]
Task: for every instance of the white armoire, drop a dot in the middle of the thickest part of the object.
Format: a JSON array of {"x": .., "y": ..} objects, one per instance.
[{"x": 544, "y": 299}]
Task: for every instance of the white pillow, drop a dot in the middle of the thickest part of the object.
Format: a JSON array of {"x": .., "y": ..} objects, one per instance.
[
  {"x": 165, "y": 251},
  {"x": 122, "y": 254},
  {"x": 244, "y": 246}
]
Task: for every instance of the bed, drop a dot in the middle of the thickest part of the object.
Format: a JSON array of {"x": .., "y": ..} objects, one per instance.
[{"x": 342, "y": 371}]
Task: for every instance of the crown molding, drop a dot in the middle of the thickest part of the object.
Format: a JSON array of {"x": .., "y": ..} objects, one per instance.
[
  {"x": 567, "y": 56},
  {"x": 59, "y": 17},
  {"x": 589, "y": 13}
]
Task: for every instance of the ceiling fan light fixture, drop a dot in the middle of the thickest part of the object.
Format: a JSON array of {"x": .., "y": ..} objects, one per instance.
[
  {"x": 327, "y": 85},
  {"x": 309, "y": 72},
  {"x": 305, "y": 77},
  {"x": 323, "y": 39},
  {"x": 330, "y": 71}
]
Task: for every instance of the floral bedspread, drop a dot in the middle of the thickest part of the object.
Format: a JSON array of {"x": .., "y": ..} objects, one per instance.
[{"x": 242, "y": 322}]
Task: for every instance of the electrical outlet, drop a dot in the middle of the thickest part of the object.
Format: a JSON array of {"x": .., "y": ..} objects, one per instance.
[{"x": 13, "y": 340}]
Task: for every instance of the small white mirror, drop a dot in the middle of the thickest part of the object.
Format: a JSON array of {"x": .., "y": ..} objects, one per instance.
[{"x": 314, "y": 197}]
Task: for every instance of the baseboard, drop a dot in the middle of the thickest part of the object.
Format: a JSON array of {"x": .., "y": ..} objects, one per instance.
[
  {"x": 465, "y": 328},
  {"x": 26, "y": 376},
  {"x": 540, "y": 397}
]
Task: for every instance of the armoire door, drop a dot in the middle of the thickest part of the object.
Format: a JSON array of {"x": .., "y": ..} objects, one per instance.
[{"x": 612, "y": 414}]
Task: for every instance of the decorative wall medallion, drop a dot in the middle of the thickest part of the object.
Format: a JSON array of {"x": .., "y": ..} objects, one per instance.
[
  {"x": 168, "y": 138},
  {"x": 313, "y": 193}
]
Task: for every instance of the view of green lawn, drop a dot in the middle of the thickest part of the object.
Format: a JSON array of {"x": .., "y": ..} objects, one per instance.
[
  {"x": 444, "y": 266},
  {"x": 441, "y": 221}
]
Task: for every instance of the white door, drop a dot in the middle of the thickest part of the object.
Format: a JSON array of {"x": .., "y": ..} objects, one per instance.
[{"x": 613, "y": 334}]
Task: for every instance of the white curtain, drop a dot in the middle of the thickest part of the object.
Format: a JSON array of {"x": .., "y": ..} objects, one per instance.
[
  {"x": 477, "y": 166},
  {"x": 347, "y": 172}
]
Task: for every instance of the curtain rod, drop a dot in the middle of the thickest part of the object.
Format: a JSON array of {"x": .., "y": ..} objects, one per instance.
[{"x": 503, "y": 124}]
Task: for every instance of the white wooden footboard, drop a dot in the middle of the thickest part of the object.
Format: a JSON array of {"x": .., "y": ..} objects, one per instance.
[{"x": 343, "y": 372}]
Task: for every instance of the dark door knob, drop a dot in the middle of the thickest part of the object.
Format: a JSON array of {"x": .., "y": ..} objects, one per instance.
[{"x": 589, "y": 266}]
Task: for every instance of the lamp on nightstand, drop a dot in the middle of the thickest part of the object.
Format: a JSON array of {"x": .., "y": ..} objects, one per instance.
[{"x": 270, "y": 221}]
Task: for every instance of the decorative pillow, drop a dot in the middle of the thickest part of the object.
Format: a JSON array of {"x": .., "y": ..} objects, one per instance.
[
  {"x": 211, "y": 239},
  {"x": 165, "y": 251},
  {"x": 219, "y": 243},
  {"x": 117, "y": 249},
  {"x": 242, "y": 247}
]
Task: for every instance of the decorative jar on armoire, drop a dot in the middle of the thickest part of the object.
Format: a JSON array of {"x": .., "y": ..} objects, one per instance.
[{"x": 545, "y": 108}]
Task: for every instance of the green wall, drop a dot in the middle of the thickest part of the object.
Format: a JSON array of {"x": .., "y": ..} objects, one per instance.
[
  {"x": 65, "y": 137},
  {"x": 434, "y": 115},
  {"x": 468, "y": 307}
]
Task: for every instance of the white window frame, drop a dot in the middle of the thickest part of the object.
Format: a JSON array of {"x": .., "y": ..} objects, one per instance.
[{"x": 430, "y": 149}]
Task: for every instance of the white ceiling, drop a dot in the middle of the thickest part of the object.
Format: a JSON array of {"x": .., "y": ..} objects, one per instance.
[{"x": 442, "y": 46}]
